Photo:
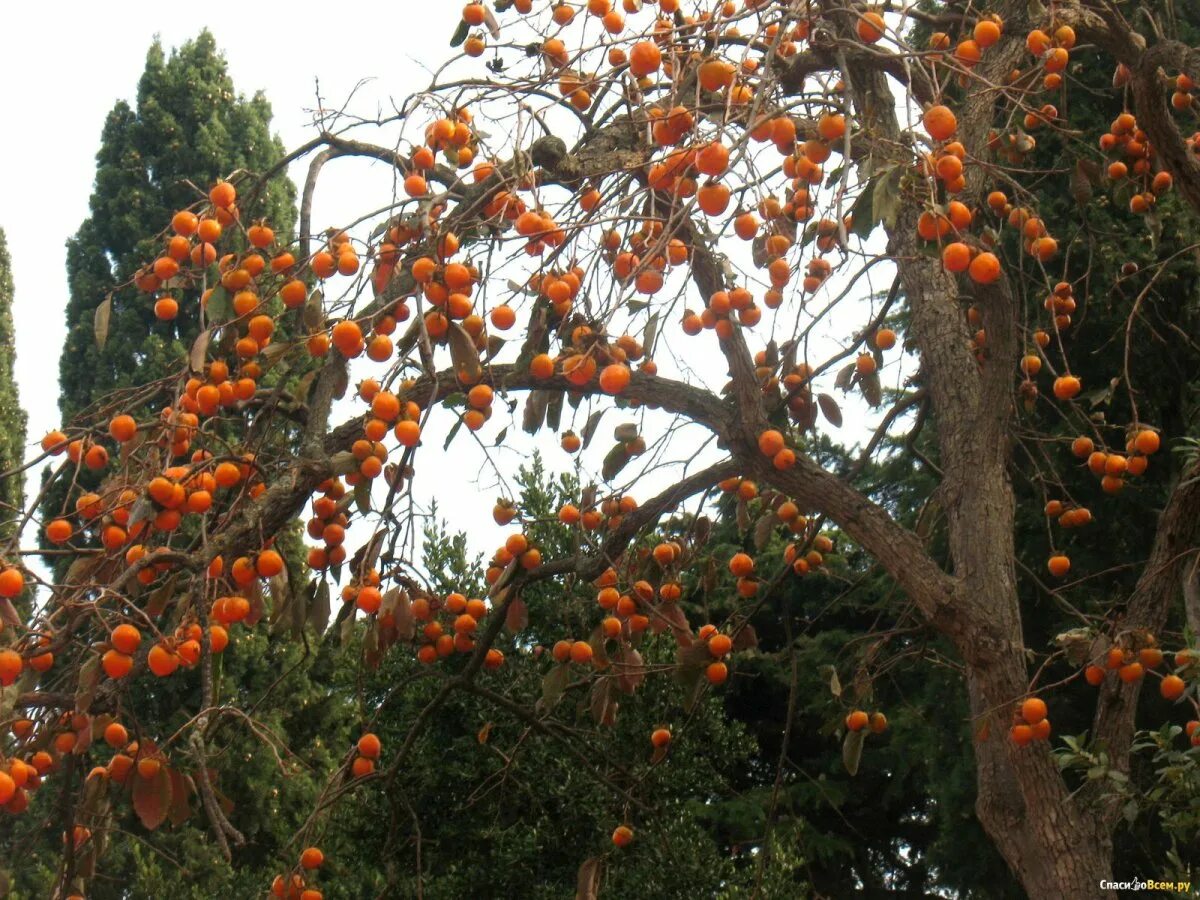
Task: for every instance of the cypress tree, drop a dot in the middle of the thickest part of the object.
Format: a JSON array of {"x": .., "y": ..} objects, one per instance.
[
  {"x": 12, "y": 417},
  {"x": 189, "y": 127}
]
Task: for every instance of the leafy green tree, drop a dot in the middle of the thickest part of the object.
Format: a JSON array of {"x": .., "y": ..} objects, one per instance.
[
  {"x": 497, "y": 803},
  {"x": 188, "y": 128},
  {"x": 12, "y": 416}
]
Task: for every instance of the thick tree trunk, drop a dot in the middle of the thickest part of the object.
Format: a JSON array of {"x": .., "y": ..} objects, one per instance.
[{"x": 1051, "y": 842}]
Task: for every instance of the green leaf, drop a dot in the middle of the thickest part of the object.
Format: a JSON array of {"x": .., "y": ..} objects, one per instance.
[
  {"x": 886, "y": 204},
  {"x": 650, "y": 333},
  {"x": 362, "y": 496},
  {"x": 863, "y": 212},
  {"x": 219, "y": 307},
  {"x": 460, "y": 33},
  {"x": 453, "y": 432}
]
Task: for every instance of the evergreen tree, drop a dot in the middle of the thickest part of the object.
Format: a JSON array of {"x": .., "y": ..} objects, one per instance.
[
  {"x": 188, "y": 129},
  {"x": 12, "y": 417}
]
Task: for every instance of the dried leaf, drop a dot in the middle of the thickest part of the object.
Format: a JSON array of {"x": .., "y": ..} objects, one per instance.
[
  {"x": 516, "y": 617},
  {"x": 625, "y": 432},
  {"x": 484, "y": 733},
  {"x": 402, "y": 616},
  {"x": 844, "y": 376},
  {"x": 587, "y": 883},
  {"x": 830, "y": 409},
  {"x": 554, "y": 408},
  {"x": 535, "y": 411},
  {"x": 694, "y": 682},
  {"x": 89, "y": 681},
  {"x": 372, "y": 655},
  {"x": 764, "y": 528},
  {"x": 589, "y": 428},
  {"x": 1080, "y": 185},
  {"x": 489, "y": 20},
  {"x": 631, "y": 672},
  {"x": 103, "y": 315},
  {"x": 603, "y": 702},
  {"x": 614, "y": 462},
  {"x": 553, "y": 685},
  {"x": 157, "y": 601},
  {"x": 152, "y": 798},
  {"x": 312, "y": 314},
  {"x": 200, "y": 350},
  {"x": 835, "y": 683},
  {"x": 872, "y": 390},
  {"x": 278, "y": 586},
  {"x": 693, "y": 656},
  {"x": 670, "y": 615},
  {"x": 745, "y": 639},
  {"x": 742, "y": 515},
  {"x": 318, "y": 609},
  {"x": 463, "y": 354},
  {"x": 887, "y": 199},
  {"x": 852, "y": 748},
  {"x": 181, "y": 789}
]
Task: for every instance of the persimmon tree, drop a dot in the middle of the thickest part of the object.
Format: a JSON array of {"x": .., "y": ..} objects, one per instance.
[{"x": 570, "y": 224}]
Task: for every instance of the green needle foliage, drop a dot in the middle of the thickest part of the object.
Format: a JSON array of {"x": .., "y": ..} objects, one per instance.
[
  {"x": 188, "y": 128},
  {"x": 12, "y": 417}
]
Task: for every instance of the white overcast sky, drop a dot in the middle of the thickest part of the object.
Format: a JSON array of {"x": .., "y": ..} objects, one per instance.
[{"x": 66, "y": 69}]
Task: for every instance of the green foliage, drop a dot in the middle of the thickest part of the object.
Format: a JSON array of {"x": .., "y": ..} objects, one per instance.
[
  {"x": 499, "y": 807},
  {"x": 189, "y": 127},
  {"x": 12, "y": 417}
]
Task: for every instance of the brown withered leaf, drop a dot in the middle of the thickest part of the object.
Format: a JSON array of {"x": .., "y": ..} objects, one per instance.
[
  {"x": 631, "y": 671},
  {"x": 830, "y": 409},
  {"x": 463, "y": 354},
  {"x": 587, "y": 883},
  {"x": 516, "y": 617},
  {"x": 152, "y": 798}
]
